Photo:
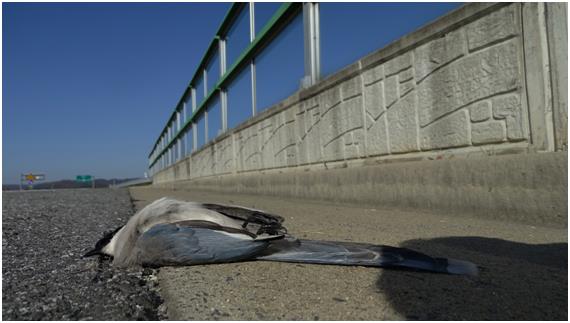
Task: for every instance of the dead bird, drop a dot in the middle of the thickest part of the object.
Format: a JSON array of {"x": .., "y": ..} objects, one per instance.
[{"x": 169, "y": 232}]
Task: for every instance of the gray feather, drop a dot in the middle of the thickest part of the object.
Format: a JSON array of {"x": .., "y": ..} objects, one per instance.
[
  {"x": 361, "y": 254},
  {"x": 171, "y": 244}
]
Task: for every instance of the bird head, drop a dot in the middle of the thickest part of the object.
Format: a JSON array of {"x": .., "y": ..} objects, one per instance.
[{"x": 102, "y": 243}]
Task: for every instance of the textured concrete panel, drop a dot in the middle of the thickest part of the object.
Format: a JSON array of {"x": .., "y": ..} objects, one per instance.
[
  {"x": 406, "y": 75},
  {"x": 488, "y": 132},
  {"x": 309, "y": 147},
  {"x": 475, "y": 77},
  {"x": 331, "y": 131},
  {"x": 289, "y": 114},
  {"x": 391, "y": 90},
  {"x": 177, "y": 172},
  {"x": 451, "y": 131},
  {"x": 203, "y": 162},
  {"x": 354, "y": 142},
  {"x": 284, "y": 145},
  {"x": 480, "y": 111},
  {"x": 341, "y": 119},
  {"x": 538, "y": 79},
  {"x": 331, "y": 124},
  {"x": 398, "y": 64},
  {"x": 314, "y": 145},
  {"x": 402, "y": 125},
  {"x": 207, "y": 161},
  {"x": 353, "y": 112},
  {"x": 373, "y": 75},
  {"x": 373, "y": 98},
  {"x": 223, "y": 156},
  {"x": 313, "y": 114},
  {"x": 266, "y": 132},
  {"x": 508, "y": 107},
  {"x": 291, "y": 156},
  {"x": 351, "y": 88},
  {"x": 493, "y": 27},
  {"x": 406, "y": 87},
  {"x": 376, "y": 136},
  {"x": 557, "y": 29},
  {"x": 337, "y": 122},
  {"x": 438, "y": 52},
  {"x": 334, "y": 150},
  {"x": 249, "y": 157},
  {"x": 188, "y": 166},
  {"x": 300, "y": 132},
  {"x": 329, "y": 99},
  {"x": 307, "y": 116},
  {"x": 276, "y": 141},
  {"x": 300, "y": 118}
]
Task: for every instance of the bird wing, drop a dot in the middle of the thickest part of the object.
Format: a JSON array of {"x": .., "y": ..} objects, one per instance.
[
  {"x": 196, "y": 242},
  {"x": 361, "y": 254},
  {"x": 256, "y": 221},
  {"x": 329, "y": 252}
]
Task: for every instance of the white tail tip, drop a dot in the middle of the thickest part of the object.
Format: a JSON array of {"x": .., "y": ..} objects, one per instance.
[{"x": 461, "y": 267}]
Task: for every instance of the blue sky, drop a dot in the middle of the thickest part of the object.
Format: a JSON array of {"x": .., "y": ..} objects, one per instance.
[{"x": 87, "y": 88}]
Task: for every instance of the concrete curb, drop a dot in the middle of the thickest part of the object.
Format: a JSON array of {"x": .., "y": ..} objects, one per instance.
[{"x": 529, "y": 188}]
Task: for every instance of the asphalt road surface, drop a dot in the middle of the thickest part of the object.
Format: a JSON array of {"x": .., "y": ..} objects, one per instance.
[
  {"x": 523, "y": 269},
  {"x": 44, "y": 234}
]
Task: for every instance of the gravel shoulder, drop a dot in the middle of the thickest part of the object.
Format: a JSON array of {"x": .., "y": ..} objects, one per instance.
[
  {"x": 523, "y": 269},
  {"x": 44, "y": 234}
]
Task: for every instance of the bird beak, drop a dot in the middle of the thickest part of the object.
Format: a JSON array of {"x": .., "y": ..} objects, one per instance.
[{"x": 92, "y": 253}]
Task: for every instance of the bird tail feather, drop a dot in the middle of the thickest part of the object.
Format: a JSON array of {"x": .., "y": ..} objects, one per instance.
[{"x": 361, "y": 254}]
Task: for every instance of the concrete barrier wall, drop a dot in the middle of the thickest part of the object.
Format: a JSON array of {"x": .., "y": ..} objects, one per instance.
[
  {"x": 529, "y": 188},
  {"x": 476, "y": 82}
]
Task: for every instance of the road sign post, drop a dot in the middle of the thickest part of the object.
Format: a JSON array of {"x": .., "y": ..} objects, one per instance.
[{"x": 31, "y": 178}]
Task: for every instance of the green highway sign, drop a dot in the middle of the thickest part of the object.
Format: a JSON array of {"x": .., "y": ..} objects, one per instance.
[{"x": 83, "y": 178}]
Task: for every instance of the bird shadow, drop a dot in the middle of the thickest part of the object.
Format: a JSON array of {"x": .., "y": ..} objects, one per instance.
[{"x": 517, "y": 281}]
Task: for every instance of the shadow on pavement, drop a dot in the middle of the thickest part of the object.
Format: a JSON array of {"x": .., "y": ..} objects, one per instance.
[{"x": 517, "y": 281}]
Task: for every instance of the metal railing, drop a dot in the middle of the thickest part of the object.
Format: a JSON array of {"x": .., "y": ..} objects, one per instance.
[
  {"x": 172, "y": 144},
  {"x": 201, "y": 113}
]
